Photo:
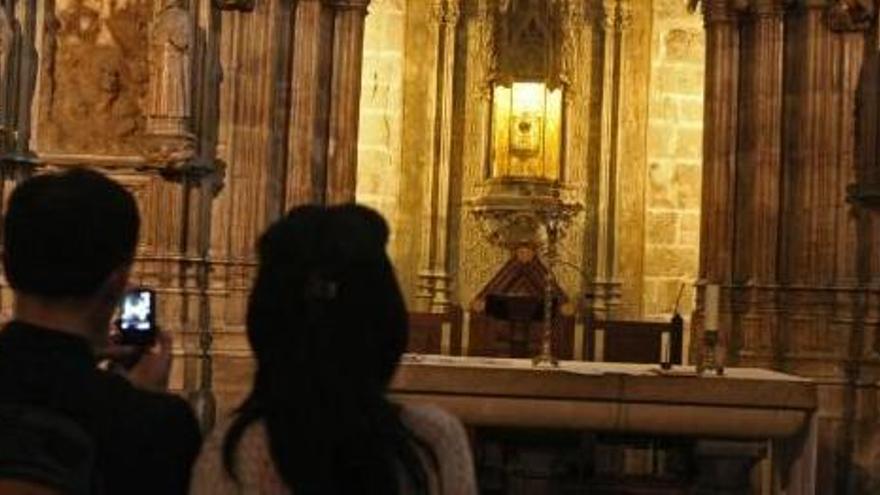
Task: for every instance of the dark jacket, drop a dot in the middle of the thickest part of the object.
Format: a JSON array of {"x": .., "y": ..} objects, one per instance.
[{"x": 146, "y": 442}]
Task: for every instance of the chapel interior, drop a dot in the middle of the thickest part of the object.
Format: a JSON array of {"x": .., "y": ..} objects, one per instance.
[{"x": 637, "y": 238}]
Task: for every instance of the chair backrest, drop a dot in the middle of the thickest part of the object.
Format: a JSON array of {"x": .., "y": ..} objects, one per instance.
[
  {"x": 628, "y": 341},
  {"x": 435, "y": 333}
]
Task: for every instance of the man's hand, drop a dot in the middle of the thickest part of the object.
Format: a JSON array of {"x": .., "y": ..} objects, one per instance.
[{"x": 153, "y": 369}]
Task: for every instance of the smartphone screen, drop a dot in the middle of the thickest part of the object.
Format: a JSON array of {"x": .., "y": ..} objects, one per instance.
[{"x": 137, "y": 316}]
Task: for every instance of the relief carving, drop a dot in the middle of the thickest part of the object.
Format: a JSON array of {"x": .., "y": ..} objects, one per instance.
[
  {"x": 169, "y": 138},
  {"x": 95, "y": 77},
  {"x": 851, "y": 15}
]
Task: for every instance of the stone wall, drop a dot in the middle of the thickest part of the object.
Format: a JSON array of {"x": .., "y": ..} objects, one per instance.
[
  {"x": 672, "y": 217},
  {"x": 381, "y": 118},
  {"x": 661, "y": 140}
]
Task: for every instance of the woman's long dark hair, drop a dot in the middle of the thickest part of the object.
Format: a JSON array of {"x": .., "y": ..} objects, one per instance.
[{"x": 327, "y": 324}]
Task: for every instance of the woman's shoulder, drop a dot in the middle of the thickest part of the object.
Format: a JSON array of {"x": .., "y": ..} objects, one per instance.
[
  {"x": 253, "y": 464},
  {"x": 448, "y": 442},
  {"x": 428, "y": 417}
]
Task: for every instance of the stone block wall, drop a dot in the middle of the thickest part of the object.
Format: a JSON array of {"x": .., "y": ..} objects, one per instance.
[
  {"x": 675, "y": 130},
  {"x": 381, "y": 118}
]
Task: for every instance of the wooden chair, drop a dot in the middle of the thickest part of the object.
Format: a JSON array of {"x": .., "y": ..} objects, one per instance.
[
  {"x": 435, "y": 333},
  {"x": 628, "y": 341}
]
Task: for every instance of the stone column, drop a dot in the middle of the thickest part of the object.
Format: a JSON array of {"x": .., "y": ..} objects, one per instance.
[
  {"x": 758, "y": 180},
  {"x": 719, "y": 144},
  {"x": 307, "y": 139},
  {"x": 345, "y": 98},
  {"x": 719, "y": 139},
  {"x": 434, "y": 273},
  {"x": 823, "y": 328},
  {"x": 606, "y": 287}
]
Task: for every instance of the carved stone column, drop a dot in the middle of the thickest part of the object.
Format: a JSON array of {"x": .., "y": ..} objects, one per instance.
[
  {"x": 345, "y": 98},
  {"x": 758, "y": 181},
  {"x": 434, "y": 273},
  {"x": 307, "y": 138},
  {"x": 606, "y": 288},
  {"x": 322, "y": 143},
  {"x": 719, "y": 144}
]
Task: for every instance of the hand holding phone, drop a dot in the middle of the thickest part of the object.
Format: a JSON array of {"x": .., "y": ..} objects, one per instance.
[{"x": 137, "y": 317}]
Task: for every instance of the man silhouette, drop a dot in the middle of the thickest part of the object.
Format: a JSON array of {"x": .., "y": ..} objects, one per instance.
[{"x": 69, "y": 243}]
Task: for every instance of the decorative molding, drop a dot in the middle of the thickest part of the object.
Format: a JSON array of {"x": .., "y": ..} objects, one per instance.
[
  {"x": 768, "y": 8},
  {"x": 722, "y": 11},
  {"x": 851, "y": 15},
  {"x": 236, "y": 5},
  {"x": 446, "y": 12},
  {"x": 357, "y": 5}
]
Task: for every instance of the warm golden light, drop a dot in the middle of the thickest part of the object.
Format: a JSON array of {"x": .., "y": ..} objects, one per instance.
[{"x": 527, "y": 130}]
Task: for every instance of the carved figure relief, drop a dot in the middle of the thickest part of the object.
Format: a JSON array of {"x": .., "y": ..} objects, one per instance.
[
  {"x": 169, "y": 103},
  {"x": 94, "y": 77},
  {"x": 171, "y": 45}
]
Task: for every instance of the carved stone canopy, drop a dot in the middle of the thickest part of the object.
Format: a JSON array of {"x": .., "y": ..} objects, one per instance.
[{"x": 528, "y": 41}]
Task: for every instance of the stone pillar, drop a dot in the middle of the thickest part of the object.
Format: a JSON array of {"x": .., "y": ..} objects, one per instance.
[
  {"x": 719, "y": 145},
  {"x": 719, "y": 139},
  {"x": 322, "y": 143},
  {"x": 345, "y": 98},
  {"x": 434, "y": 274},
  {"x": 634, "y": 26},
  {"x": 758, "y": 181},
  {"x": 606, "y": 287},
  {"x": 307, "y": 139}
]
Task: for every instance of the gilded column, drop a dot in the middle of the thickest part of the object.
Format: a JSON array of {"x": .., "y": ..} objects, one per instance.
[
  {"x": 307, "y": 138},
  {"x": 758, "y": 179},
  {"x": 345, "y": 98},
  {"x": 434, "y": 273}
]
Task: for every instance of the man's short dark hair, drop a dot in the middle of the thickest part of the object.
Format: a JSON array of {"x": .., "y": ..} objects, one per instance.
[{"x": 66, "y": 232}]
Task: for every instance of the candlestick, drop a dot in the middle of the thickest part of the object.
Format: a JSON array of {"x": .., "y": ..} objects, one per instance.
[
  {"x": 665, "y": 348},
  {"x": 711, "y": 307}
]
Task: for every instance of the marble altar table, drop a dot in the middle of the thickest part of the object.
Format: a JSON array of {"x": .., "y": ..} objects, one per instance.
[{"x": 743, "y": 404}]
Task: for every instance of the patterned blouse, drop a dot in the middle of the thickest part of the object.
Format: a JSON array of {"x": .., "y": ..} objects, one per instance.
[{"x": 442, "y": 432}]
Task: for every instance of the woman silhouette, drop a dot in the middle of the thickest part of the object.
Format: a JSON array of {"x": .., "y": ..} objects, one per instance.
[{"x": 328, "y": 325}]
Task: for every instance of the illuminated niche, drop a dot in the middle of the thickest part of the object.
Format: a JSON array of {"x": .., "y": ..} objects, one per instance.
[{"x": 526, "y": 131}]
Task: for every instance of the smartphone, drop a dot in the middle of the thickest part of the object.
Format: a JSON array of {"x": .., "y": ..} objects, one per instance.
[{"x": 137, "y": 317}]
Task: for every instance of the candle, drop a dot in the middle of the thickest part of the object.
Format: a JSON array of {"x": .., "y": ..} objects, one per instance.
[
  {"x": 711, "y": 307},
  {"x": 665, "y": 358}
]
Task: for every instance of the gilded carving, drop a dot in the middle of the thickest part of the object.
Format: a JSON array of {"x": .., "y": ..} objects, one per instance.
[{"x": 95, "y": 77}]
